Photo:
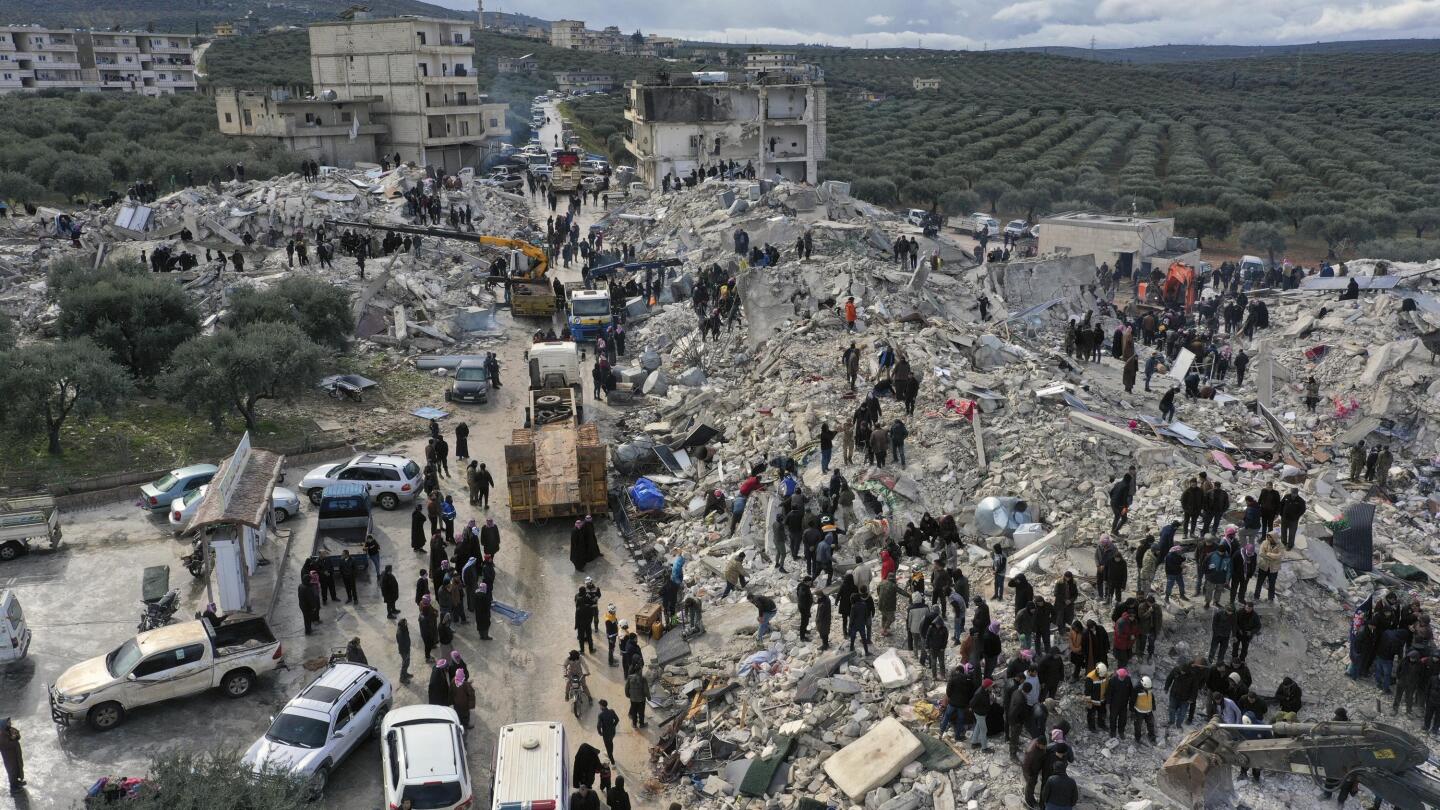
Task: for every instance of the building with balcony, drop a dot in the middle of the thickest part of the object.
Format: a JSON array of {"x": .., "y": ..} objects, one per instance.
[
  {"x": 334, "y": 132},
  {"x": 517, "y": 64},
  {"x": 420, "y": 71},
  {"x": 110, "y": 61},
  {"x": 777, "y": 125},
  {"x": 579, "y": 81}
]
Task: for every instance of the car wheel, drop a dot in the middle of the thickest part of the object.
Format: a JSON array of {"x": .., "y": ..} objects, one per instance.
[
  {"x": 10, "y": 551},
  {"x": 238, "y": 683},
  {"x": 106, "y": 716},
  {"x": 281, "y": 515},
  {"x": 316, "y": 786},
  {"x": 379, "y": 720},
  {"x": 315, "y": 495},
  {"x": 388, "y": 501}
]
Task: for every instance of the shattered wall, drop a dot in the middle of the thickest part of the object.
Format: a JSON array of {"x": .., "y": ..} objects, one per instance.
[
  {"x": 1027, "y": 282},
  {"x": 688, "y": 104}
]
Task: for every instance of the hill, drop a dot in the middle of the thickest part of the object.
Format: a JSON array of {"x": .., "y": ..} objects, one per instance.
[
  {"x": 1165, "y": 54},
  {"x": 198, "y": 15}
]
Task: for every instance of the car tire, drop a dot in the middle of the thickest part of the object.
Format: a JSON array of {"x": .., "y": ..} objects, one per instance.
[
  {"x": 281, "y": 515},
  {"x": 379, "y": 720},
  {"x": 447, "y": 396},
  {"x": 315, "y": 788},
  {"x": 10, "y": 551},
  {"x": 388, "y": 501},
  {"x": 314, "y": 495},
  {"x": 105, "y": 716},
  {"x": 238, "y": 684}
]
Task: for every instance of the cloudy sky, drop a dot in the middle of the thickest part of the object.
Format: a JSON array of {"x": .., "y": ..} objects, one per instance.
[{"x": 970, "y": 24}]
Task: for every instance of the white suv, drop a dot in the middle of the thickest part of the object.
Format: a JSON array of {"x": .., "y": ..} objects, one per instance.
[
  {"x": 322, "y": 725},
  {"x": 422, "y": 752},
  {"x": 391, "y": 479}
]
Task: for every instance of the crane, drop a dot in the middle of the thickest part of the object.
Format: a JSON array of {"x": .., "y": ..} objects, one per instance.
[{"x": 1392, "y": 763}]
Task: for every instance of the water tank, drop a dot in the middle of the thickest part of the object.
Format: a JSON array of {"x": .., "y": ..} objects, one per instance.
[
  {"x": 329, "y": 95},
  {"x": 998, "y": 516}
]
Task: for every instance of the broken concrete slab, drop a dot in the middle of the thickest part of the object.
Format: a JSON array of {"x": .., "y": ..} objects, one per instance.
[
  {"x": 823, "y": 667},
  {"x": 891, "y": 671},
  {"x": 874, "y": 759}
]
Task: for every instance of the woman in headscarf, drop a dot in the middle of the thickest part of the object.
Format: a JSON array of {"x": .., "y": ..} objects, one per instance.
[
  {"x": 592, "y": 544},
  {"x": 438, "y": 692},
  {"x": 577, "y": 546},
  {"x": 417, "y": 527}
]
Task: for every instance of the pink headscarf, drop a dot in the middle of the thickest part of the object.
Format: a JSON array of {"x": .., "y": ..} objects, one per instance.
[{"x": 460, "y": 678}]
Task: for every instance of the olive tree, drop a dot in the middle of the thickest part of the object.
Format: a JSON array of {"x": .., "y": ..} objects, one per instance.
[
  {"x": 235, "y": 369},
  {"x": 1263, "y": 236},
  {"x": 45, "y": 383}
]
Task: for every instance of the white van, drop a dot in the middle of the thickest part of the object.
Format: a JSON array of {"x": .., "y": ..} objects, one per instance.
[
  {"x": 532, "y": 768},
  {"x": 14, "y": 634}
]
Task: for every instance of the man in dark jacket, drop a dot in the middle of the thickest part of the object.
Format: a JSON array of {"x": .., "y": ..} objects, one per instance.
[
  {"x": 1269, "y": 507},
  {"x": 1247, "y": 627},
  {"x": 804, "y": 598},
  {"x": 1432, "y": 704},
  {"x": 390, "y": 592},
  {"x": 1060, "y": 791},
  {"x": 1121, "y": 495},
  {"x": 980, "y": 704},
  {"x": 1217, "y": 501},
  {"x": 822, "y": 618},
  {"x": 936, "y": 636},
  {"x": 1292, "y": 508},
  {"x": 1017, "y": 710},
  {"x": 1222, "y": 627},
  {"x": 958, "y": 691},
  {"x": 1119, "y": 697},
  {"x": 1192, "y": 504},
  {"x": 1030, "y": 768}
]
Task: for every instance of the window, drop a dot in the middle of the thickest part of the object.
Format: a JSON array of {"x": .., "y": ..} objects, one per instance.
[
  {"x": 494, "y": 123},
  {"x": 421, "y": 35},
  {"x": 345, "y": 117},
  {"x": 156, "y": 664},
  {"x": 424, "y": 69},
  {"x": 246, "y": 115},
  {"x": 44, "y": 58},
  {"x": 343, "y": 719},
  {"x": 464, "y": 127},
  {"x": 310, "y": 119},
  {"x": 357, "y": 703},
  {"x": 694, "y": 141},
  {"x": 227, "y": 118},
  {"x": 8, "y": 77},
  {"x": 373, "y": 686},
  {"x": 190, "y": 654}
]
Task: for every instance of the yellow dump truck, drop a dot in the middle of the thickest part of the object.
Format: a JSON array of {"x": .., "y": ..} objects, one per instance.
[{"x": 555, "y": 465}]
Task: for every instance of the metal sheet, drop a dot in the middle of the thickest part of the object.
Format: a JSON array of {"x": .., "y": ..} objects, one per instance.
[
  {"x": 1182, "y": 365},
  {"x": 1342, "y": 282},
  {"x": 1354, "y": 544}
]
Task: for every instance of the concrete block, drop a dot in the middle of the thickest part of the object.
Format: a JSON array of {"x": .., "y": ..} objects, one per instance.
[
  {"x": 655, "y": 384},
  {"x": 649, "y": 360},
  {"x": 891, "y": 669},
  {"x": 873, "y": 760},
  {"x": 905, "y": 801},
  {"x": 693, "y": 377}
]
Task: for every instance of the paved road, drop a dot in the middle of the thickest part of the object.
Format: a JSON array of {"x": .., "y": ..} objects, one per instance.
[{"x": 81, "y": 602}]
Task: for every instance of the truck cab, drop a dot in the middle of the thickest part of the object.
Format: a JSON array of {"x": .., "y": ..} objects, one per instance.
[
  {"x": 344, "y": 514},
  {"x": 554, "y": 364},
  {"x": 589, "y": 314}
]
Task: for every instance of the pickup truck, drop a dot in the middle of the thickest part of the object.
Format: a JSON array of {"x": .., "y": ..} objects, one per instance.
[
  {"x": 976, "y": 224},
  {"x": 24, "y": 521},
  {"x": 171, "y": 662}
]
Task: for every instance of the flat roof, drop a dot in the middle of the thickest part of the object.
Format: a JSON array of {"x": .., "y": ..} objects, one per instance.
[
  {"x": 379, "y": 20},
  {"x": 1104, "y": 220}
]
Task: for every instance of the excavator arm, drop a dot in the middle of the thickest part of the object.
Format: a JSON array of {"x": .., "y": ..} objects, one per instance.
[{"x": 1383, "y": 758}]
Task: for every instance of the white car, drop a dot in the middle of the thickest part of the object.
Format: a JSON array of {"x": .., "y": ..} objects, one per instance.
[
  {"x": 391, "y": 479},
  {"x": 284, "y": 504},
  {"x": 1016, "y": 228},
  {"x": 324, "y": 724},
  {"x": 422, "y": 758}
]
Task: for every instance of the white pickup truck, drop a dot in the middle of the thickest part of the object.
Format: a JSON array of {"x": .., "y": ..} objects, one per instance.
[{"x": 170, "y": 662}]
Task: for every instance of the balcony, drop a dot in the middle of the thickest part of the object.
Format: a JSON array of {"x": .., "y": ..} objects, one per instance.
[
  {"x": 445, "y": 48},
  {"x": 49, "y": 64},
  {"x": 112, "y": 47},
  {"x": 57, "y": 45},
  {"x": 467, "y": 78},
  {"x": 168, "y": 49},
  {"x": 454, "y": 107}
]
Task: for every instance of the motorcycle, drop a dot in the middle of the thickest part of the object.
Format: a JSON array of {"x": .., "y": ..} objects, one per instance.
[
  {"x": 160, "y": 612},
  {"x": 575, "y": 694},
  {"x": 195, "y": 561}
]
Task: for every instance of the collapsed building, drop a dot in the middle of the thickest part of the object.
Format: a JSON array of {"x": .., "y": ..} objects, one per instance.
[{"x": 1003, "y": 415}]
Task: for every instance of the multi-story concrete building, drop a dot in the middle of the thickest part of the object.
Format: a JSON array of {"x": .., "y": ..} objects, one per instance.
[
  {"x": 517, "y": 64},
  {"x": 421, "y": 70},
  {"x": 568, "y": 34},
  {"x": 777, "y": 125},
  {"x": 110, "y": 61},
  {"x": 334, "y": 132},
  {"x": 572, "y": 81}
]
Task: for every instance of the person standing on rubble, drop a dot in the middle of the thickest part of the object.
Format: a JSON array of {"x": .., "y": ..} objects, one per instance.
[
  {"x": 765, "y": 611},
  {"x": 1167, "y": 404},
  {"x": 1384, "y": 460}
]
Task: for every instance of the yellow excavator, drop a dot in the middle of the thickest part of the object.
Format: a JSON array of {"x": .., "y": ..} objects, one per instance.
[
  {"x": 1393, "y": 764},
  {"x": 529, "y": 292}
]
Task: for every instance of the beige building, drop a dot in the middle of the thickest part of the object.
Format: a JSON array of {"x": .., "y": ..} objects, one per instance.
[
  {"x": 579, "y": 80},
  {"x": 421, "y": 69},
  {"x": 332, "y": 132},
  {"x": 517, "y": 64},
  {"x": 111, "y": 61},
  {"x": 1127, "y": 243},
  {"x": 925, "y": 84},
  {"x": 567, "y": 34},
  {"x": 777, "y": 125}
]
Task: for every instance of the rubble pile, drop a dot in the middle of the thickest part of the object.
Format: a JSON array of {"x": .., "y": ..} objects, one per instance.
[
  {"x": 1002, "y": 412},
  {"x": 405, "y": 300}
]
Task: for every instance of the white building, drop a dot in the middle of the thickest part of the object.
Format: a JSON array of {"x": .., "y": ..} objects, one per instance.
[
  {"x": 150, "y": 64},
  {"x": 422, "y": 71},
  {"x": 776, "y": 125},
  {"x": 1127, "y": 243}
]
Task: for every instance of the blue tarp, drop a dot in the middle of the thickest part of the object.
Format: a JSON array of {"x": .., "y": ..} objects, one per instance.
[{"x": 647, "y": 496}]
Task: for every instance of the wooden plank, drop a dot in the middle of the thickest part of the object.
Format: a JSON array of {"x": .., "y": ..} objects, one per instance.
[{"x": 558, "y": 479}]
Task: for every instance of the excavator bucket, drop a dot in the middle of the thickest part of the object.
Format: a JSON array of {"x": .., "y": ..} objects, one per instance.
[{"x": 1197, "y": 780}]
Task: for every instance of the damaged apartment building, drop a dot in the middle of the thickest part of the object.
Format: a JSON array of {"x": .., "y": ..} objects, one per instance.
[
  {"x": 773, "y": 120},
  {"x": 402, "y": 86}
]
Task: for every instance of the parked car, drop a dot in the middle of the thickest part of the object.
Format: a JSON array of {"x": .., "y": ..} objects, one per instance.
[
  {"x": 1017, "y": 228},
  {"x": 471, "y": 382},
  {"x": 324, "y": 724},
  {"x": 14, "y": 634},
  {"x": 391, "y": 479},
  {"x": 422, "y": 756},
  {"x": 284, "y": 504},
  {"x": 159, "y": 494},
  {"x": 915, "y": 216},
  {"x": 593, "y": 166},
  {"x": 169, "y": 662},
  {"x": 509, "y": 182}
]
